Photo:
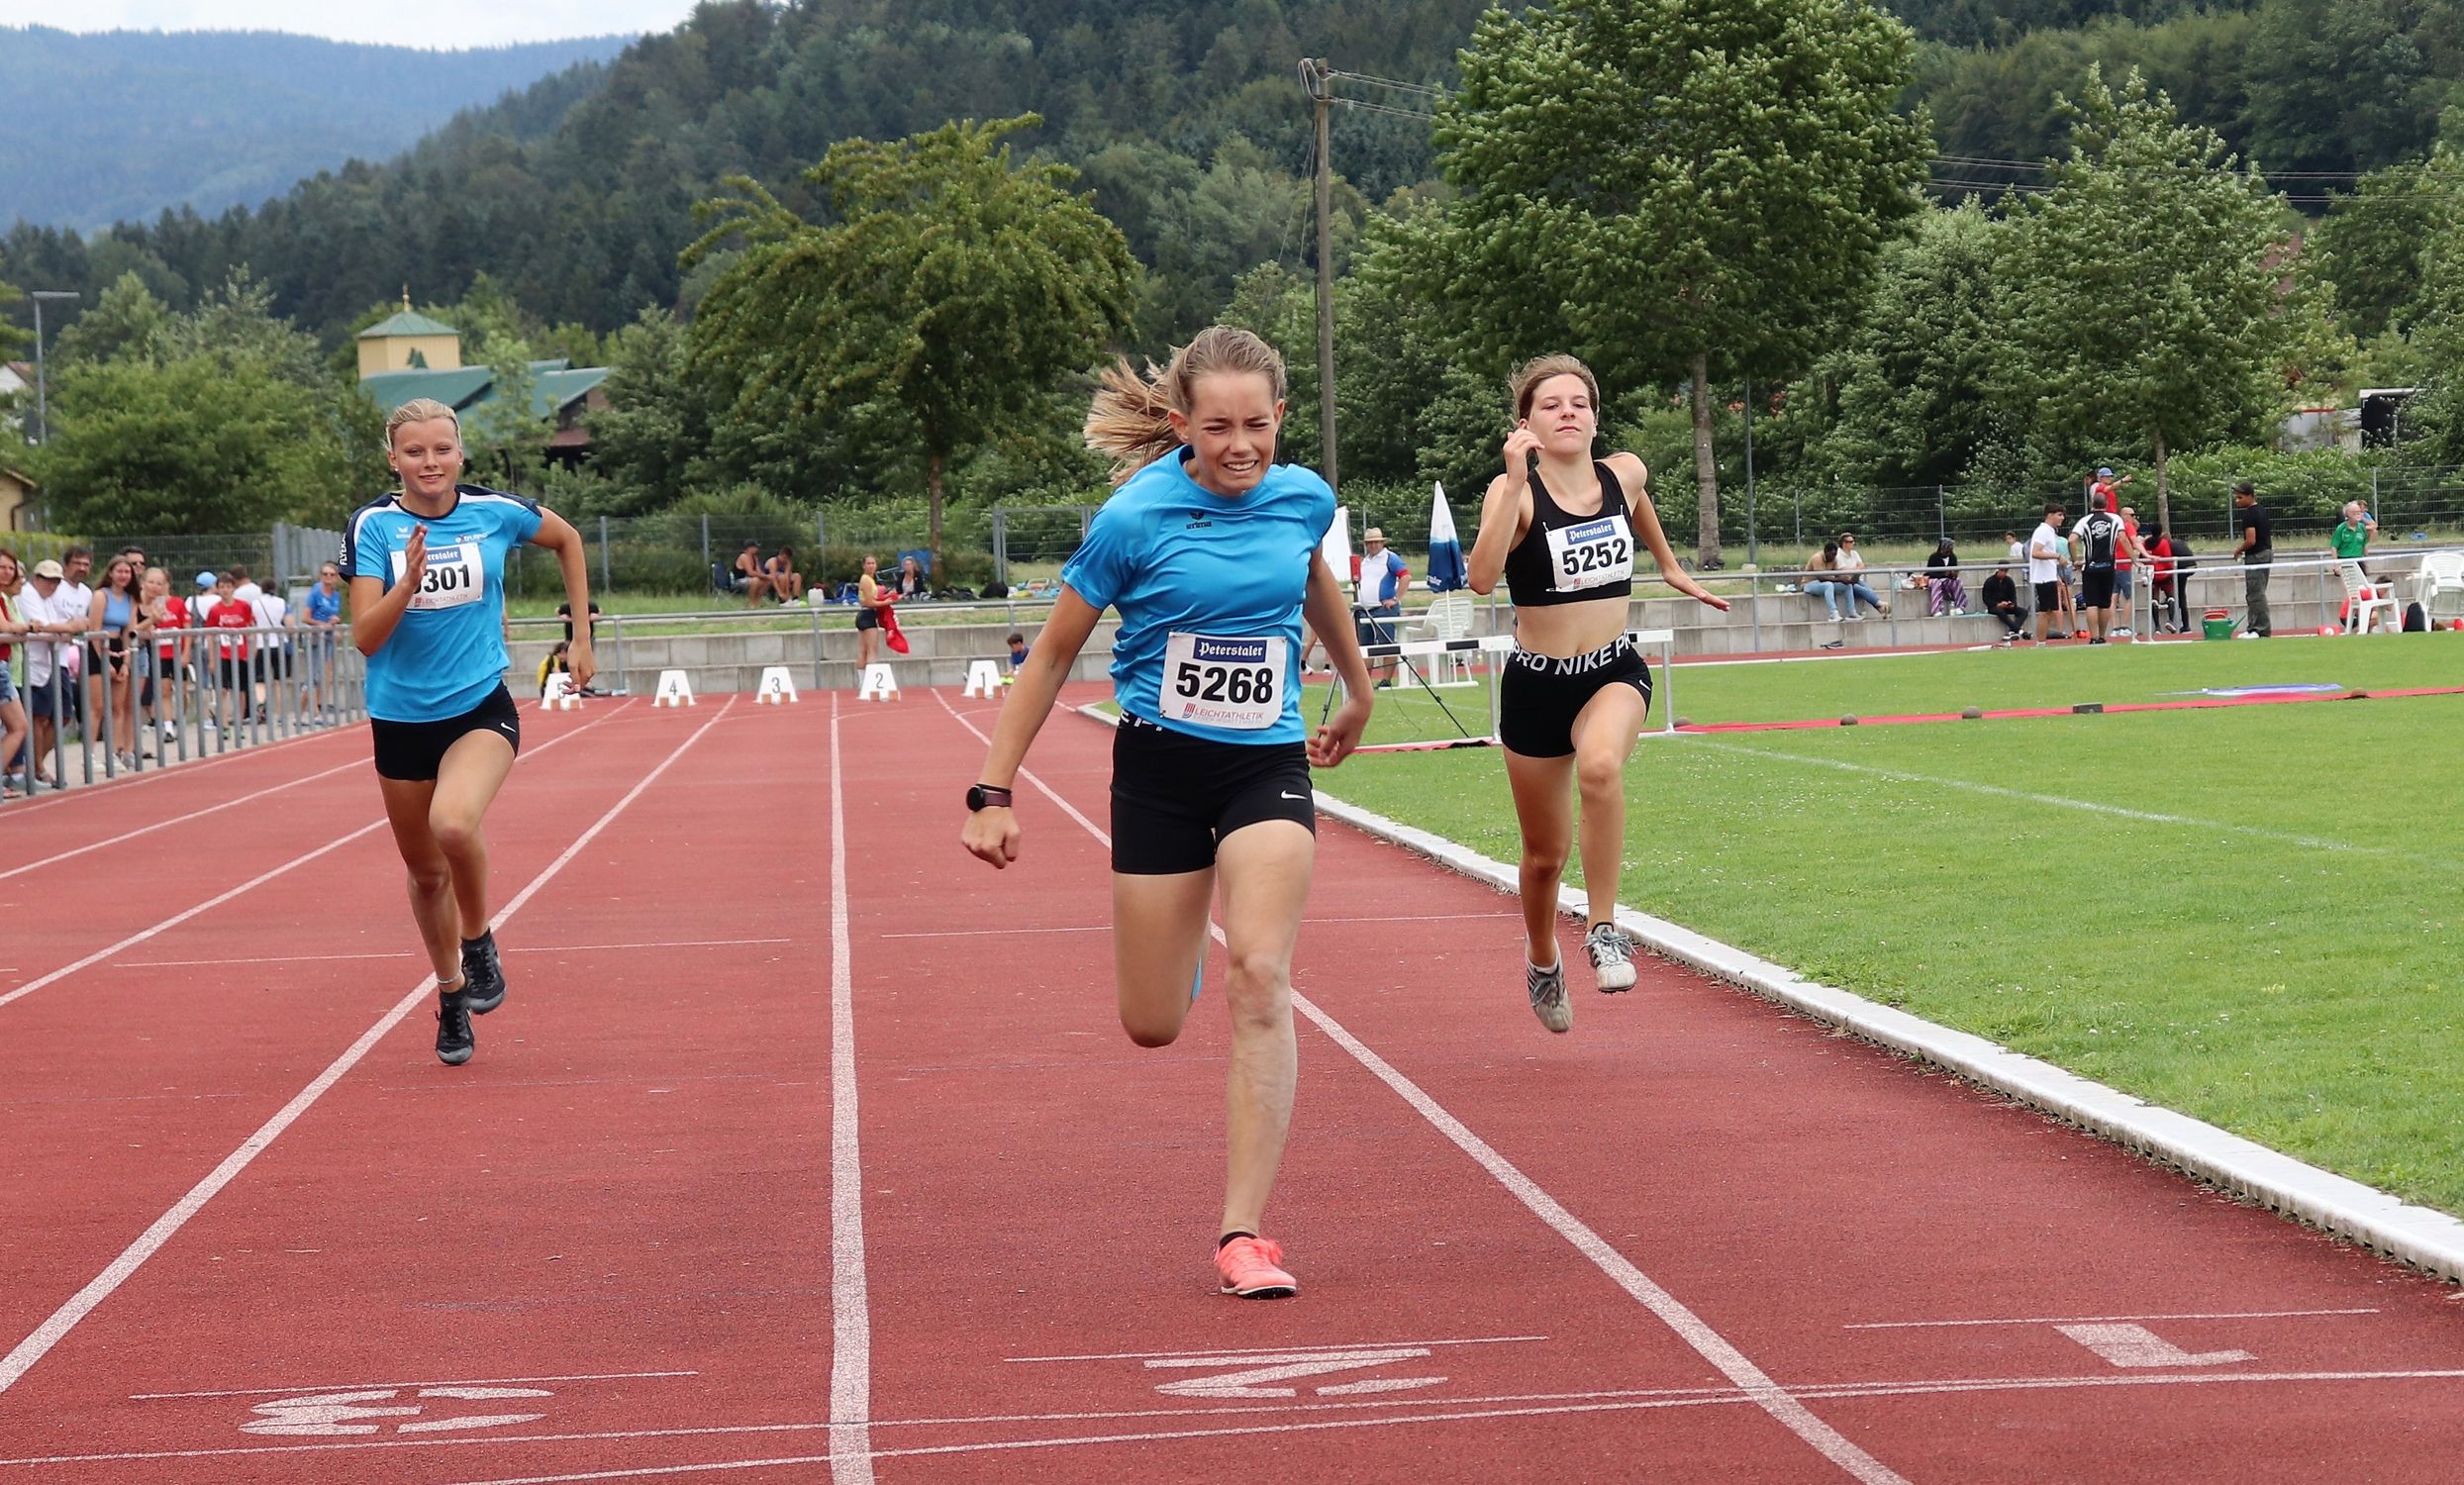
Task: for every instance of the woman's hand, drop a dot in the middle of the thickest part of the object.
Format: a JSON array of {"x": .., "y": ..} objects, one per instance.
[
  {"x": 579, "y": 661},
  {"x": 1520, "y": 444},
  {"x": 415, "y": 558},
  {"x": 1340, "y": 735},
  {"x": 991, "y": 834}
]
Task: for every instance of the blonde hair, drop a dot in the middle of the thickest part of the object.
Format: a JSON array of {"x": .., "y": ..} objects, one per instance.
[
  {"x": 1525, "y": 382},
  {"x": 420, "y": 410},
  {"x": 1130, "y": 420}
]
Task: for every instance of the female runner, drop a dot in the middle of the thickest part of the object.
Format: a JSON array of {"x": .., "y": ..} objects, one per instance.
[
  {"x": 1209, "y": 549},
  {"x": 426, "y": 571},
  {"x": 1575, "y": 692}
]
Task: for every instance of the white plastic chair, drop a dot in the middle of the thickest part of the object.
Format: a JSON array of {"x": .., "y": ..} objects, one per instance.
[
  {"x": 2365, "y": 598},
  {"x": 2442, "y": 584},
  {"x": 1448, "y": 617}
]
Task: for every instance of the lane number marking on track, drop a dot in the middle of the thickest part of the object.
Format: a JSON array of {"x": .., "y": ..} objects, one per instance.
[
  {"x": 373, "y": 1409},
  {"x": 2137, "y": 1346}
]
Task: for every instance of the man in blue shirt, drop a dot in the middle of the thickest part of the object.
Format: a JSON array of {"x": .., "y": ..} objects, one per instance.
[{"x": 1379, "y": 597}]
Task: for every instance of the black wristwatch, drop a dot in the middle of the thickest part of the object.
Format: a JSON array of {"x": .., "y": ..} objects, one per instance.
[{"x": 985, "y": 796}]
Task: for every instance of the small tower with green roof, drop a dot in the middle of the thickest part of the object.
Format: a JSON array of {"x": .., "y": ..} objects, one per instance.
[{"x": 408, "y": 340}]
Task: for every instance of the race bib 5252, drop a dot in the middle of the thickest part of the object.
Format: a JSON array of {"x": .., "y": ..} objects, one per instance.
[
  {"x": 455, "y": 575},
  {"x": 1593, "y": 554},
  {"x": 1232, "y": 683}
]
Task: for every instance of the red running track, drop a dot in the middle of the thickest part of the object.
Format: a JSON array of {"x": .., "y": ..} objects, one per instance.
[{"x": 653, "y": 1232}]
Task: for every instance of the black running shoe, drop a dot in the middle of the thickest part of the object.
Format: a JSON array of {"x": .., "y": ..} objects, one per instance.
[
  {"x": 483, "y": 973},
  {"x": 455, "y": 1042}
]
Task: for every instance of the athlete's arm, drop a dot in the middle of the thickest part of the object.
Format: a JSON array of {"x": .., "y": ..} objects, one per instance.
[
  {"x": 1329, "y": 616},
  {"x": 374, "y": 608},
  {"x": 992, "y": 833},
  {"x": 1503, "y": 513},
  {"x": 1635, "y": 480},
  {"x": 558, "y": 535}
]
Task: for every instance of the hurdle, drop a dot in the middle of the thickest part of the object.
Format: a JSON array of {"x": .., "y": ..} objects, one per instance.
[{"x": 1664, "y": 695}]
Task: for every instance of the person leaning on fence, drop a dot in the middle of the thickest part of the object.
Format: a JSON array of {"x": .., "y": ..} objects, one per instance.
[
  {"x": 320, "y": 622},
  {"x": 2257, "y": 551},
  {"x": 1575, "y": 693},
  {"x": 2001, "y": 600},
  {"x": 54, "y": 619},
  {"x": 13, "y": 727},
  {"x": 427, "y": 572},
  {"x": 113, "y": 612},
  {"x": 166, "y": 614}
]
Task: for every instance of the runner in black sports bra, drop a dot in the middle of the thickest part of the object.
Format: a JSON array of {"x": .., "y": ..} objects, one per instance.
[{"x": 1575, "y": 692}]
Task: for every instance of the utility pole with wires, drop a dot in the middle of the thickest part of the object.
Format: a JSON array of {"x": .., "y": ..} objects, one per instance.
[{"x": 1320, "y": 80}]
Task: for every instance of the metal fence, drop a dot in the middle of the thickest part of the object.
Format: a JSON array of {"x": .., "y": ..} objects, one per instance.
[{"x": 95, "y": 709}]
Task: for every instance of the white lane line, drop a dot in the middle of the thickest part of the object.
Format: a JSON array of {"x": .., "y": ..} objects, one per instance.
[
  {"x": 1106, "y": 927},
  {"x": 511, "y": 948},
  {"x": 1457, "y": 1415},
  {"x": 1277, "y": 1350},
  {"x": 1542, "y": 1404},
  {"x": 176, "y": 919},
  {"x": 579, "y": 1376},
  {"x": 2082, "y": 1320},
  {"x": 1706, "y": 1342},
  {"x": 52, "y": 1330},
  {"x": 160, "y": 825},
  {"x": 189, "y": 769},
  {"x": 2066, "y": 802},
  {"x": 851, "y": 1314}
]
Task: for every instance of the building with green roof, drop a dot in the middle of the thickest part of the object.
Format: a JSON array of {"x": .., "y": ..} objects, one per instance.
[{"x": 408, "y": 355}]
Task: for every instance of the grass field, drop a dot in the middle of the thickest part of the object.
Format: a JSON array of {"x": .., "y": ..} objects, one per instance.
[{"x": 2246, "y": 913}]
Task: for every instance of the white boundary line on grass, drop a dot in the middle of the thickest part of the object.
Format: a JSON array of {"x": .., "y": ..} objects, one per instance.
[
  {"x": 22, "y": 1359},
  {"x": 2419, "y": 1235},
  {"x": 1783, "y": 1406}
]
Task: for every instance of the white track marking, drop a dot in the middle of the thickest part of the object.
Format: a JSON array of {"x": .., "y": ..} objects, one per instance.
[
  {"x": 2082, "y": 1320},
  {"x": 160, "y": 825},
  {"x": 2087, "y": 806},
  {"x": 511, "y": 948},
  {"x": 1277, "y": 1350},
  {"x": 375, "y": 954},
  {"x": 1709, "y": 1344},
  {"x": 194, "y": 767},
  {"x": 2139, "y": 1346},
  {"x": 851, "y": 1303},
  {"x": 1106, "y": 927},
  {"x": 581, "y": 1376},
  {"x": 1544, "y": 1404},
  {"x": 52, "y": 1330},
  {"x": 176, "y": 919}
]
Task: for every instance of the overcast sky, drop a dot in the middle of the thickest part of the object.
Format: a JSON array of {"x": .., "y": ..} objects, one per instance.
[{"x": 421, "y": 23}]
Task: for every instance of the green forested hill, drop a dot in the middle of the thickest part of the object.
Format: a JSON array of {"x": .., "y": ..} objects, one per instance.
[{"x": 116, "y": 125}]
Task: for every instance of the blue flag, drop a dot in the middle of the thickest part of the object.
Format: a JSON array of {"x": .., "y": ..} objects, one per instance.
[{"x": 1445, "y": 551}]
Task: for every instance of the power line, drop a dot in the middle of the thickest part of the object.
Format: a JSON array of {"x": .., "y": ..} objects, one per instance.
[
  {"x": 1380, "y": 108},
  {"x": 1389, "y": 83}
]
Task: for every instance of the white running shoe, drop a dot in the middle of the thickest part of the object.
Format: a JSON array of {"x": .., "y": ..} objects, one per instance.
[
  {"x": 1547, "y": 989},
  {"x": 1612, "y": 959}
]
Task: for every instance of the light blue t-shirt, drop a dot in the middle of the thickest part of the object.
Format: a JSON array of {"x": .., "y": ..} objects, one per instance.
[
  {"x": 1209, "y": 588},
  {"x": 324, "y": 607},
  {"x": 449, "y": 651}
]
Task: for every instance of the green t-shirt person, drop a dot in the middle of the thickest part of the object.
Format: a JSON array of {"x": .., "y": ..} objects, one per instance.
[{"x": 2351, "y": 538}]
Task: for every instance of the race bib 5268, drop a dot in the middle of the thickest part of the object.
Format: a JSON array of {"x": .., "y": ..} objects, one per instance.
[
  {"x": 1224, "y": 682},
  {"x": 1593, "y": 554},
  {"x": 455, "y": 575}
]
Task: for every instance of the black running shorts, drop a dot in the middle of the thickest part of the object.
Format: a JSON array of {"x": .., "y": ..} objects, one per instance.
[
  {"x": 2048, "y": 597},
  {"x": 411, "y": 751},
  {"x": 2095, "y": 587},
  {"x": 1542, "y": 695},
  {"x": 1175, "y": 796}
]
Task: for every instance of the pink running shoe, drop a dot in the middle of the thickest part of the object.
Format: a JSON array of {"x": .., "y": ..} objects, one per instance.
[{"x": 1251, "y": 1269}]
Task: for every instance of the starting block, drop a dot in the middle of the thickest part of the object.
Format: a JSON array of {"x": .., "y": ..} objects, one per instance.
[
  {"x": 673, "y": 690},
  {"x": 983, "y": 678},
  {"x": 776, "y": 687},
  {"x": 558, "y": 694},
  {"x": 878, "y": 683}
]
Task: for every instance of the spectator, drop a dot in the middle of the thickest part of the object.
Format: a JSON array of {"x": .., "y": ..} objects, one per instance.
[
  {"x": 786, "y": 583},
  {"x": 2163, "y": 585},
  {"x": 554, "y": 664},
  {"x": 1822, "y": 583},
  {"x": 201, "y": 603},
  {"x": 112, "y": 615},
  {"x": 2258, "y": 556},
  {"x": 2098, "y": 542},
  {"x": 54, "y": 618},
  {"x": 273, "y": 647},
  {"x": 2351, "y": 541},
  {"x": 565, "y": 611},
  {"x": 911, "y": 581},
  {"x": 76, "y": 565},
  {"x": 748, "y": 576},
  {"x": 12, "y": 710},
  {"x": 1018, "y": 651},
  {"x": 2001, "y": 600},
  {"x": 2132, "y": 548},
  {"x": 1379, "y": 598},
  {"x": 2044, "y": 569},
  {"x": 1853, "y": 589},
  {"x": 321, "y": 615},
  {"x": 234, "y": 617},
  {"x": 165, "y": 615},
  {"x": 2017, "y": 555},
  {"x": 1949, "y": 594}
]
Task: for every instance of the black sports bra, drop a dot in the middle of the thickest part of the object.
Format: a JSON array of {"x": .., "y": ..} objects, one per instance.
[{"x": 1566, "y": 559}]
